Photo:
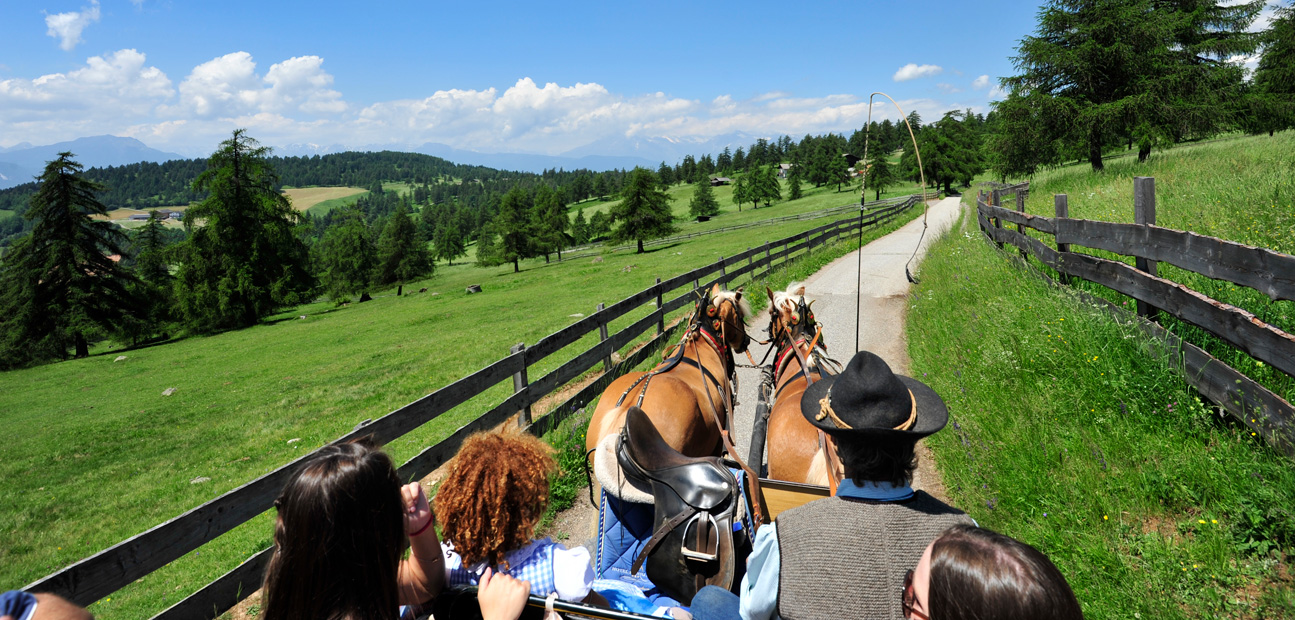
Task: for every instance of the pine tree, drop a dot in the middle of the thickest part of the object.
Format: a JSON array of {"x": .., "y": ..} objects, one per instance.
[
  {"x": 402, "y": 252},
  {"x": 244, "y": 261},
  {"x": 514, "y": 225},
  {"x": 1272, "y": 98},
  {"x": 448, "y": 243},
  {"x": 62, "y": 288},
  {"x": 951, "y": 152},
  {"x": 839, "y": 171},
  {"x": 703, "y": 201},
  {"x": 550, "y": 222},
  {"x": 346, "y": 255},
  {"x": 879, "y": 173},
  {"x": 766, "y": 185},
  {"x": 741, "y": 190},
  {"x": 793, "y": 181},
  {"x": 644, "y": 210},
  {"x": 580, "y": 227}
]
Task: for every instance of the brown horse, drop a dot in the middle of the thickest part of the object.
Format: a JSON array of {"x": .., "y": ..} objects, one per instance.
[
  {"x": 688, "y": 395},
  {"x": 797, "y": 453}
]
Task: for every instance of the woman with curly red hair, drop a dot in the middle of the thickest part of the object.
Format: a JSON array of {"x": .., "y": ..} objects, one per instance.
[{"x": 488, "y": 506}]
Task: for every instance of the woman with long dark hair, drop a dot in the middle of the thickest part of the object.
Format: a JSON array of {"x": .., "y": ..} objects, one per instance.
[
  {"x": 343, "y": 522},
  {"x": 970, "y": 573}
]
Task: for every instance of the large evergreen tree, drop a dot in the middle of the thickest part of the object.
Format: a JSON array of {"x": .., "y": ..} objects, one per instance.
[
  {"x": 644, "y": 210},
  {"x": 703, "y": 201},
  {"x": 951, "y": 151},
  {"x": 879, "y": 173},
  {"x": 1153, "y": 71},
  {"x": 62, "y": 286},
  {"x": 447, "y": 242},
  {"x": 765, "y": 185},
  {"x": 402, "y": 252},
  {"x": 551, "y": 222},
  {"x": 346, "y": 256},
  {"x": 794, "y": 179},
  {"x": 515, "y": 226},
  {"x": 580, "y": 228},
  {"x": 1272, "y": 98},
  {"x": 242, "y": 259}
]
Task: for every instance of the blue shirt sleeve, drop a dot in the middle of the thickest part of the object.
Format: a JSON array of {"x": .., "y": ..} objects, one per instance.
[{"x": 759, "y": 593}]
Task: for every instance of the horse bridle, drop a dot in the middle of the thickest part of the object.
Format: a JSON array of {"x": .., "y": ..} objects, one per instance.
[{"x": 791, "y": 338}]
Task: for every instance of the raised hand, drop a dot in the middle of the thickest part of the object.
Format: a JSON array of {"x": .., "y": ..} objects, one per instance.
[{"x": 418, "y": 514}]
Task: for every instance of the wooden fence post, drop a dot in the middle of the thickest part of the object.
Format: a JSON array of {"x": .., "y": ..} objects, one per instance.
[
  {"x": 723, "y": 274},
  {"x": 996, "y": 199},
  {"x": 768, "y": 264},
  {"x": 519, "y": 384},
  {"x": 1144, "y": 213},
  {"x": 602, "y": 337},
  {"x": 1020, "y": 208},
  {"x": 660, "y": 321},
  {"x": 1062, "y": 205}
]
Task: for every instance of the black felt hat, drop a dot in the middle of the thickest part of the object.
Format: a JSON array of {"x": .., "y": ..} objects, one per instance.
[{"x": 868, "y": 399}]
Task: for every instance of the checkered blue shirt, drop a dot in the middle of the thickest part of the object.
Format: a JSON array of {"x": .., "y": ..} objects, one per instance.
[{"x": 533, "y": 563}]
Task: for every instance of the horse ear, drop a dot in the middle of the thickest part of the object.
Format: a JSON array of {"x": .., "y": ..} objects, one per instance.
[
  {"x": 739, "y": 293},
  {"x": 770, "y": 291},
  {"x": 799, "y": 292},
  {"x": 714, "y": 289}
]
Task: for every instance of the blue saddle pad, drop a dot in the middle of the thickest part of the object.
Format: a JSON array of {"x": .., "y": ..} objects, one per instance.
[{"x": 625, "y": 527}]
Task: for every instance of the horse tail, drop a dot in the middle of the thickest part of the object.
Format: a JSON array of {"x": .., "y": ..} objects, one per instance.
[{"x": 817, "y": 474}]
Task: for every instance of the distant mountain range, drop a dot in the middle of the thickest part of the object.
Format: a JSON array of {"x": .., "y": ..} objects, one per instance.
[
  {"x": 606, "y": 154},
  {"x": 23, "y": 162}
]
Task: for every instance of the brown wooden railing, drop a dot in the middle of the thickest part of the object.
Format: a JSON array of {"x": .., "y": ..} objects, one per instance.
[
  {"x": 103, "y": 573},
  {"x": 1271, "y": 273}
]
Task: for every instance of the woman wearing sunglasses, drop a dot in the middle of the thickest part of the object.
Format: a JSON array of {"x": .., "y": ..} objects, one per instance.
[{"x": 970, "y": 572}]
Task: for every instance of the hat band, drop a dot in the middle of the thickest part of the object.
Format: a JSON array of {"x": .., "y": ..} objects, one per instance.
[{"x": 825, "y": 410}]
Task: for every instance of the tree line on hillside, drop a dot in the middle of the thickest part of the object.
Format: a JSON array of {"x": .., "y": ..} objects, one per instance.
[{"x": 1111, "y": 74}]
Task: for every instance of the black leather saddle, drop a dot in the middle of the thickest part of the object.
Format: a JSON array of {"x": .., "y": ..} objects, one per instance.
[{"x": 696, "y": 502}]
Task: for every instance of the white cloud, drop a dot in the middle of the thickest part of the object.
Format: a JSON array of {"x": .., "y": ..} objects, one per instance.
[
  {"x": 67, "y": 27},
  {"x": 913, "y": 71},
  {"x": 107, "y": 86},
  {"x": 948, "y": 89},
  {"x": 294, "y": 102},
  {"x": 997, "y": 93},
  {"x": 980, "y": 82},
  {"x": 229, "y": 86}
]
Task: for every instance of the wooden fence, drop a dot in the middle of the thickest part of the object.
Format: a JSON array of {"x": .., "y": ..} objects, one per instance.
[
  {"x": 584, "y": 251},
  {"x": 114, "y": 568},
  {"x": 1272, "y": 273}
]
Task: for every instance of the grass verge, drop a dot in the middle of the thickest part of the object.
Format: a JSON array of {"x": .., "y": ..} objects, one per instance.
[{"x": 1066, "y": 434}]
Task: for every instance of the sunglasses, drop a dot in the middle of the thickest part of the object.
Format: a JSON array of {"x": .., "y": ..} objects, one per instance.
[{"x": 909, "y": 600}]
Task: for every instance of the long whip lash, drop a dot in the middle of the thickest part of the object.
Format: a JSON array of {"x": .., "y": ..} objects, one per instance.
[{"x": 867, "y": 134}]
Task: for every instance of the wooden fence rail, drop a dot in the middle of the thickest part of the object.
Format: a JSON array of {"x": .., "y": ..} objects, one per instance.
[
  {"x": 103, "y": 573},
  {"x": 1269, "y": 272},
  {"x": 576, "y": 252}
]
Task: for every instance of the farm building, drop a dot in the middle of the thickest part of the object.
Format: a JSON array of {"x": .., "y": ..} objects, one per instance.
[{"x": 717, "y": 181}]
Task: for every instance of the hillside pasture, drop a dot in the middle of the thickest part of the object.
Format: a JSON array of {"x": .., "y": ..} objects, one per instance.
[
  {"x": 1240, "y": 188},
  {"x": 308, "y": 198},
  {"x": 1067, "y": 433}
]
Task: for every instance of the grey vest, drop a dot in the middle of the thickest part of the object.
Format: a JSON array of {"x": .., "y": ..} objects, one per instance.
[{"x": 846, "y": 558}]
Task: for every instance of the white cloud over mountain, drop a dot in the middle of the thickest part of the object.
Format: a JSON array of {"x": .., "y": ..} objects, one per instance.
[
  {"x": 294, "y": 102},
  {"x": 67, "y": 27}
]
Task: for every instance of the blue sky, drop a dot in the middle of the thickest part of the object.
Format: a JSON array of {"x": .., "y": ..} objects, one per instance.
[{"x": 491, "y": 77}]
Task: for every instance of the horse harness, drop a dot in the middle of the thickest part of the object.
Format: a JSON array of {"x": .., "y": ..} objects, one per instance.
[{"x": 793, "y": 342}]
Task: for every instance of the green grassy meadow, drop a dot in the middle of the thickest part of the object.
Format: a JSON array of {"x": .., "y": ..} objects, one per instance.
[
  {"x": 1240, "y": 189},
  {"x": 1067, "y": 434},
  {"x": 105, "y": 455}
]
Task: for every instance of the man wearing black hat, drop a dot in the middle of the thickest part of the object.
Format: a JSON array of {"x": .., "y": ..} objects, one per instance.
[{"x": 846, "y": 556}]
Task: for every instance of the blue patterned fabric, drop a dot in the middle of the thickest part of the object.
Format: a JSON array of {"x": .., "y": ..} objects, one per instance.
[
  {"x": 625, "y": 527},
  {"x": 533, "y": 563}
]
